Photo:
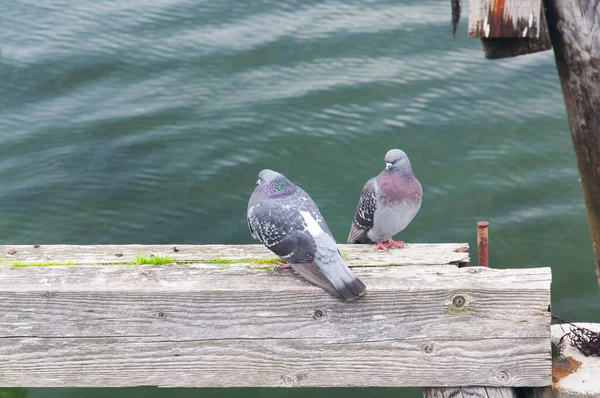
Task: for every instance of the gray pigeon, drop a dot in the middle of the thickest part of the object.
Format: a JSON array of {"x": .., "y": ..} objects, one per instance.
[
  {"x": 286, "y": 220},
  {"x": 387, "y": 204}
]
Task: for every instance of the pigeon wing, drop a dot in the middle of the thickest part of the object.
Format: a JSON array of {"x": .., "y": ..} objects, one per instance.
[
  {"x": 282, "y": 230},
  {"x": 365, "y": 213}
]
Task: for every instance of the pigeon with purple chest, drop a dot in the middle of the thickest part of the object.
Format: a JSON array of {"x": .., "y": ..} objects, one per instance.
[
  {"x": 387, "y": 204},
  {"x": 287, "y": 221}
]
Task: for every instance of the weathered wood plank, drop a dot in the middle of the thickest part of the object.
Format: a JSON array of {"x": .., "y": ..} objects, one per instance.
[
  {"x": 469, "y": 392},
  {"x": 200, "y": 303},
  {"x": 507, "y": 47},
  {"x": 575, "y": 32},
  {"x": 199, "y": 326},
  {"x": 356, "y": 255},
  {"x": 97, "y": 362},
  {"x": 504, "y": 18}
]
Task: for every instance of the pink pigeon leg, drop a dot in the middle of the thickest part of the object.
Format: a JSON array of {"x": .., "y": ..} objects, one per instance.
[
  {"x": 382, "y": 246},
  {"x": 280, "y": 265},
  {"x": 396, "y": 243}
]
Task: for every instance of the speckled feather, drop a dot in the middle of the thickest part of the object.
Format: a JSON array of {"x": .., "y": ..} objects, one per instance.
[
  {"x": 387, "y": 204},
  {"x": 286, "y": 220}
]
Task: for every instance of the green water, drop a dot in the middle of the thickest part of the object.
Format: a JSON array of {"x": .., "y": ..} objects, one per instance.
[{"x": 147, "y": 122}]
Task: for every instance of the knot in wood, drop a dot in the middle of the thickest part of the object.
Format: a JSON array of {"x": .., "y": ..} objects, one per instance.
[
  {"x": 458, "y": 301},
  {"x": 288, "y": 380},
  {"x": 503, "y": 376},
  {"x": 162, "y": 315},
  {"x": 318, "y": 314},
  {"x": 427, "y": 348}
]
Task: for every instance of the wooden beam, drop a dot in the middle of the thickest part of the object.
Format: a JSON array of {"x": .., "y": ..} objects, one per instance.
[
  {"x": 208, "y": 326},
  {"x": 573, "y": 374},
  {"x": 509, "y": 28},
  {"x": 355, "y": 255},
  {"x": 504, "y": 18},
  {"x": 574, "y": 28},
  {"x": 470, "y": 392},
  {"x": 507, "y": 47}
]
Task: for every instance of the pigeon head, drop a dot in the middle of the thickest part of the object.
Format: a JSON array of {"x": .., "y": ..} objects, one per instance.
[
  {"x": 274, "y": 184},
  {"x": 396, "y": 160},
  {"x": 267, "y": 176}
]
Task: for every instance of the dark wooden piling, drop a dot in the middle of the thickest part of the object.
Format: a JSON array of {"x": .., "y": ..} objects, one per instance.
[{"x": 574, "y": 28}]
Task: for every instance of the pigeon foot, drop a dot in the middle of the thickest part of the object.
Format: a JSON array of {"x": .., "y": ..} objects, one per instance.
[
  {"x": 280, "y": 265},
  {"x": 382, "y": 246},
  {"x": 398, "y": 244}
]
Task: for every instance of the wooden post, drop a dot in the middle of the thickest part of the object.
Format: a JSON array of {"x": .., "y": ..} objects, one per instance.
[
  {"x": 472, "y": 391},
  {"x": 226, "y": 318},
  {"x": 574, "y": 28}
]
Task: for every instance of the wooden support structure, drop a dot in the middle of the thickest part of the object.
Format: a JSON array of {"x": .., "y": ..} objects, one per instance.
[
  {"x": 509, "y": 28},
  {"x": 573, "y": 375},
  {"x": 221, "y": 319},
  {"x": 574, "y": 28}
]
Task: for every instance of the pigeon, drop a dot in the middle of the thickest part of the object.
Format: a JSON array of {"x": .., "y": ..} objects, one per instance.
[
  {"x": 287, "y": 221},
  {"x": 387, "y": 204}
]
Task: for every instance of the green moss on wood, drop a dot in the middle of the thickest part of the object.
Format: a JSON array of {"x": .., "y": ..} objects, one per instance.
[
  {"x": 221, "y": 261},
  {"x": 345, "y": 256},
  {"x": 152, "y": 260},
  {"x": 241, "y": 261},
  {"x": 266, "y": 260},
  {"x": 18, "y": 264},
  {"x": 264, "y": 267}
]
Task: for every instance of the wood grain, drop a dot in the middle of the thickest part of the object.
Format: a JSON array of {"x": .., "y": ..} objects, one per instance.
[
  {"x": 470, "y": 392},
  {"x": 508, "y": 47},
  {"x": 201, "y": 326},
  {"x": 504, "y": 18},
  {"x": 95, "y": 362},
  {"x": 356, "y": 255}
]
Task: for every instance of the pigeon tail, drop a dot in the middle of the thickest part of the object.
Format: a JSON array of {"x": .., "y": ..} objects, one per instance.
[
  {"x": 346, "y": 284},
  {"x": 357, "y": 236}
]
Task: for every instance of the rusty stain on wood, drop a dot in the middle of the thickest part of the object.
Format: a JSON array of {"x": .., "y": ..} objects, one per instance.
[
  {"x": 504, "y": 18},
  {"x": 507, "y": 47},
  {"x": 563, "y": 367}
]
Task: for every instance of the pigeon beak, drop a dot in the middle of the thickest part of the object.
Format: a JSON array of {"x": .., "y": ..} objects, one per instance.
[
  {"x": 388, "y": 165},
  {"x": 258, "y": 182}
]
